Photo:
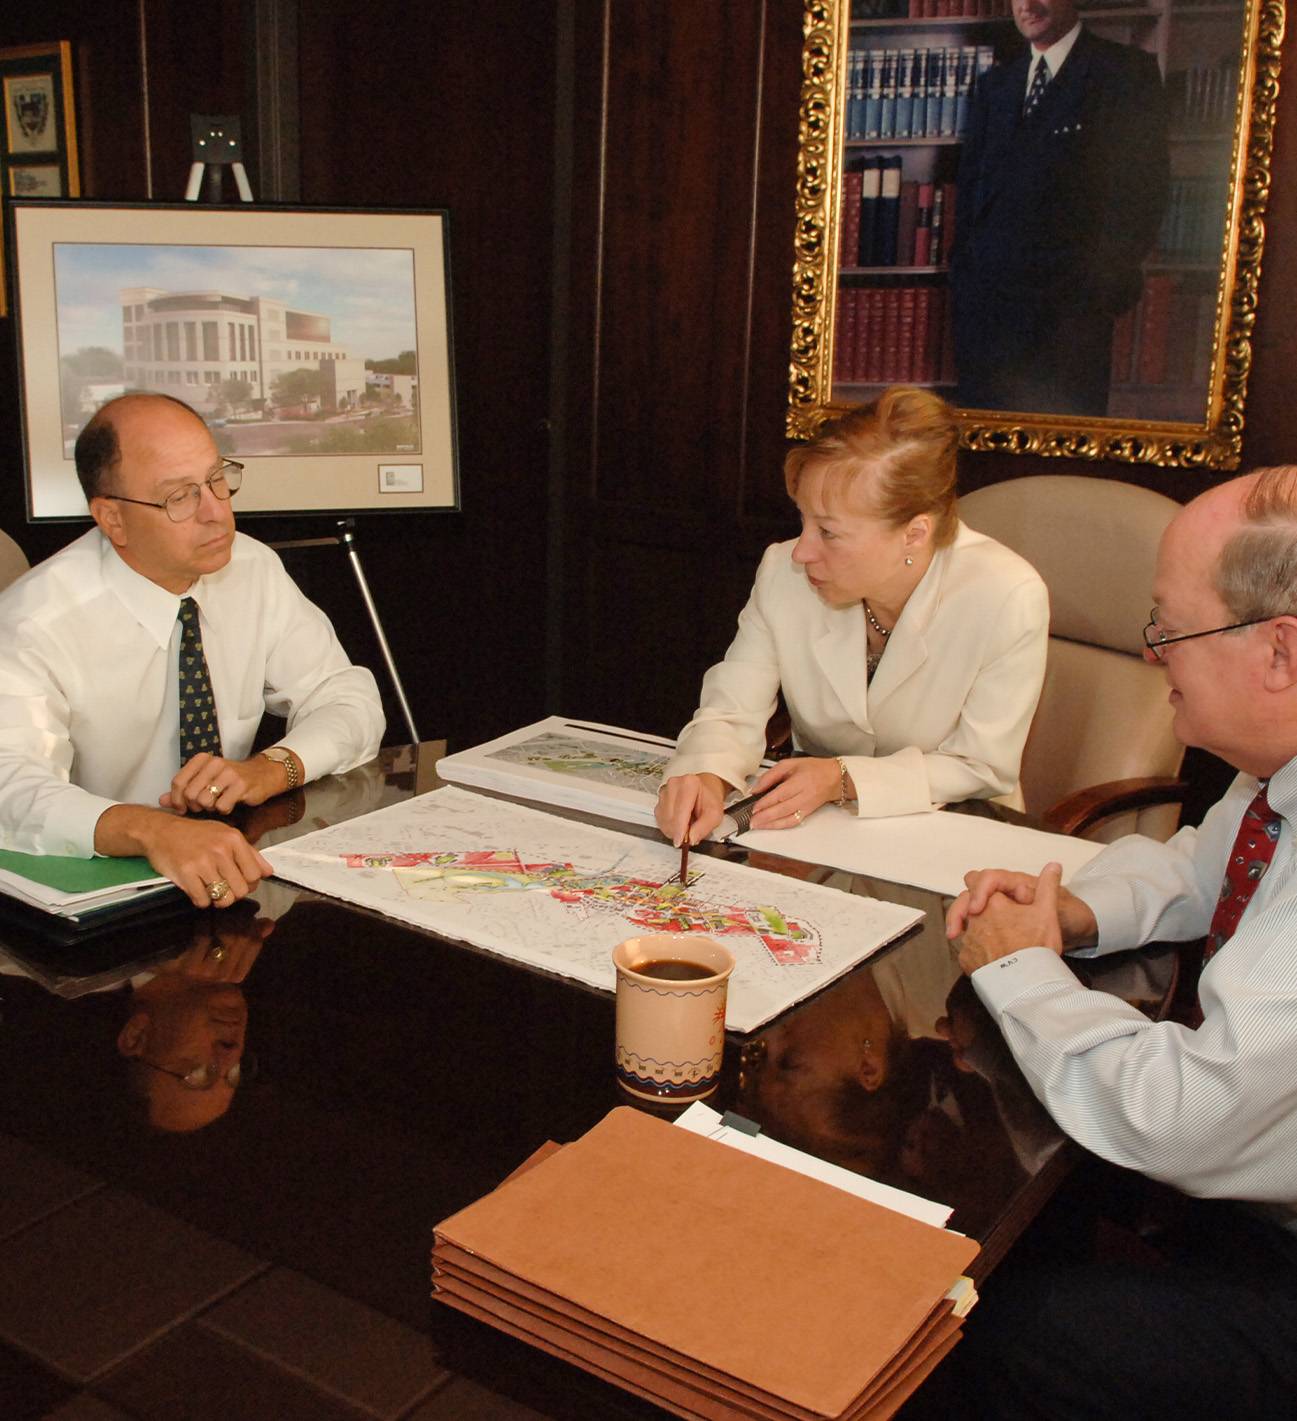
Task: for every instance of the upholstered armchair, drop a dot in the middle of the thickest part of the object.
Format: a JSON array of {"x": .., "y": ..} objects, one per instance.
[{"x": 1101, "y": 760}]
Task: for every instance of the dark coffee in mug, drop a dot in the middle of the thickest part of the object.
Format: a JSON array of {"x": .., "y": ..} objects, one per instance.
[{"x": 667, "y": 969}]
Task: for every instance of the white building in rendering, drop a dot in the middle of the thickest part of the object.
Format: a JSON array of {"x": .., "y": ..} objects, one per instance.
[{"x": 189, "y": 343}]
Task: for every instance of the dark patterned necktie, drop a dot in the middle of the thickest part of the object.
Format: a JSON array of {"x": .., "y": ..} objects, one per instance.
[
  {"x": 1039, "y": 83},
  {"x": 198, "y": 727},
  {"x": 1254, "y": 846}
]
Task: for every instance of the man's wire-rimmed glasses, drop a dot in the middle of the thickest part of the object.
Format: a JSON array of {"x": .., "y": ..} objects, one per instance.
[
  {"x": 1157, "y": 640},
  {"x": 181, "y": 504},
  {"x": 204, "y": 1077}
]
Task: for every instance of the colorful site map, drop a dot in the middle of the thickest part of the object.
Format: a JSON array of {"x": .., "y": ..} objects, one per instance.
[{"x": 560, "y": 895}]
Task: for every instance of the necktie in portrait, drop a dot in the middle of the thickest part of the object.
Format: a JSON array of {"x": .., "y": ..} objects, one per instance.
[
  {"x": 198, "y": 726},
  {"x": 1039, "y": 82}
]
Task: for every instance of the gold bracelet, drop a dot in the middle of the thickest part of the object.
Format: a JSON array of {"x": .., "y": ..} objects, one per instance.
[{"x": 842, "y": 780}]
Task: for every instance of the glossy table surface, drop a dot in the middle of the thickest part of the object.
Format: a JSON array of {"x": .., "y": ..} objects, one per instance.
[{"x": 278, "y": 1236}]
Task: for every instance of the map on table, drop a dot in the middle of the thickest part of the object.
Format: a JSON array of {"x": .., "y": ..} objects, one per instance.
[
  {"x": 596, "y": 768},
  {"x": 578, "y": 764},
  {"x": 560, "y": 895}
]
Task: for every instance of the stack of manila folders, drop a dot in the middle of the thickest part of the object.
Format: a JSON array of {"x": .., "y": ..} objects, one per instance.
[{"x": 711, "y": 1280}]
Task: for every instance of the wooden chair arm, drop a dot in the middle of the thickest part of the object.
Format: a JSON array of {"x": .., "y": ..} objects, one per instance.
[{"x": 1077, "y": 812}]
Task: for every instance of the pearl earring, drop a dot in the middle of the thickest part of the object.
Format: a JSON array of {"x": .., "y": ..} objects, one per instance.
[{"x": 909, "y": 562}]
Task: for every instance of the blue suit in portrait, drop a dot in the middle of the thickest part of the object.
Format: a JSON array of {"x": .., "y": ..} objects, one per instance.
[{"x": 1056, "y": 212}]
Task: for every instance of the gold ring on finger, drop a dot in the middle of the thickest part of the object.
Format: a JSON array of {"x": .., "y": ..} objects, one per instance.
[
  {"x": 797, "y": 814},
  {"x": 214, "y": 791},
  {"x": 217, "y": 889},
  {"x": 217, "y": 953}
]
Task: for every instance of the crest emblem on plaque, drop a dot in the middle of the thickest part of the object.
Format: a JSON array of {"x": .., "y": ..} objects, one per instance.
[{"x": 32, "y": 111}]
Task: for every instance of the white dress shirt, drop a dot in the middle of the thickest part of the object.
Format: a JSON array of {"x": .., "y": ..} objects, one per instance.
[
  {"x": 947, "y": 712},
  {"x": 1052, "y": 58},
  {"x": 89, "y": 708},
  {"x": 1212, "y": 1111}
]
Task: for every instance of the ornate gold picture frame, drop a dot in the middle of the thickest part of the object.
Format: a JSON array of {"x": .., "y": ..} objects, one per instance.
[{"x": 888, "y": 114}]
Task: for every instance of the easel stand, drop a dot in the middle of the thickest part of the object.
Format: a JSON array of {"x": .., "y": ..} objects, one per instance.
[
  {"x": 345, "y": 538},
  {"x": 217, "y": 145}
]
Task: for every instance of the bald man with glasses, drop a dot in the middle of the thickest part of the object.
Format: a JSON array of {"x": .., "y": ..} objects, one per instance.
[
  {"x": 136, "y": 664},
  {"x": 1208, "y": 1106}
]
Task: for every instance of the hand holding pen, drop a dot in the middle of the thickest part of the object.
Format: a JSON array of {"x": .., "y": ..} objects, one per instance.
[{"x": 689, "y": 807}]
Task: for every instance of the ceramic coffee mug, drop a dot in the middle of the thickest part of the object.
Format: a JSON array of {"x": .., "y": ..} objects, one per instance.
[{"x": 671, "y": 990}]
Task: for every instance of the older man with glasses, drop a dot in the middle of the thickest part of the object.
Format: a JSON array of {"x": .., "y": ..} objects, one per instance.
[
  {"x": 1208, "y": 1105},
  {"x": 135, "y": 666}
]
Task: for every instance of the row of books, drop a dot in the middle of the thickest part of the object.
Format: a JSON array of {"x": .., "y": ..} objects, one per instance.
[
  {"x": 893, "y": 333},
  {"x": 1167, "y": 338},
  {"x": 928, "y": 9},
  {"x": 1202, "y": 96},
  {"x": 890, "y": 221},
  {"x": 1193, "y": 227},
  {"x": 912, "y": 93}
]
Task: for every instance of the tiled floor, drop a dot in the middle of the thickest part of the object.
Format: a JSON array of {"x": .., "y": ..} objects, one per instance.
[{"x": 112, "y": 1310}]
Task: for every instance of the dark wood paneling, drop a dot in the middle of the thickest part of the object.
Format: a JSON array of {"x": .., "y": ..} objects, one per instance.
[
  {"x": 677, "y": 257},
  {"x": 452, "y": 106},
  {"x": 684, "y": 164}
]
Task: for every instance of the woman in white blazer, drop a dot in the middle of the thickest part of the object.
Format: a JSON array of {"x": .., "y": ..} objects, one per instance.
[{"x": 910, "y": 649}]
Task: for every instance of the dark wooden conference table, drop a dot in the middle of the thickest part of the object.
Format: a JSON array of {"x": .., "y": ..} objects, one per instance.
[{"x": 275, "y": 1263}]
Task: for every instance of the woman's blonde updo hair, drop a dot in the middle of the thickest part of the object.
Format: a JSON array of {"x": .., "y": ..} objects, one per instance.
[{"x": 894, "y": 456}]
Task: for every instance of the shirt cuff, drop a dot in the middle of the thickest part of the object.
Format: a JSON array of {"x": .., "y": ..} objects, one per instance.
[
  {"x": 890, "y": 784},
  {"x": 1109, "y": 898},
  {"x": 1002, "y": 982},
  {"x": 317, "y": 749},
  {"x": 70, "y": 825}
]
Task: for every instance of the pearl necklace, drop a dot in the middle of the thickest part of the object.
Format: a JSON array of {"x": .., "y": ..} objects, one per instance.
[{"x": 882, "y": 631}]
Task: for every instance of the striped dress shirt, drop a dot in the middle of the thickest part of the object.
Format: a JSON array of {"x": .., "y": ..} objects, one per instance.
[{"x": 1212, "y": 1111}]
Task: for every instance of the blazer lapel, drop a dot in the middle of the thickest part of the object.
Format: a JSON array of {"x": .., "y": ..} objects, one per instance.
[
  {"x": 1003, "y": 131},
  {"x": 1067, "y": 87},
  {"x": 839, "y": 651},
  {"x": 908, "y": 646}
]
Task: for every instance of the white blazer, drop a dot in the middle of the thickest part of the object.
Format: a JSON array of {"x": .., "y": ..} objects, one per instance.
[{"x": 947, "y": 713}]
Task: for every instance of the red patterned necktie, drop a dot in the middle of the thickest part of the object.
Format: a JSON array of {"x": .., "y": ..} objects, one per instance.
[{"x": 1254, "y": 846}]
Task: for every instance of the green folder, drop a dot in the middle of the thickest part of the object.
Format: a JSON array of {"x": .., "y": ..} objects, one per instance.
[{"x": 77, "y": 875}]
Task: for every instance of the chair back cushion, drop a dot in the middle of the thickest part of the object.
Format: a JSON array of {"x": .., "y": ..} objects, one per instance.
[
  {"x": 1093, "y": 540},
  {"x": 1104, "y": 713},
  {"x": 13, "y": 561}
]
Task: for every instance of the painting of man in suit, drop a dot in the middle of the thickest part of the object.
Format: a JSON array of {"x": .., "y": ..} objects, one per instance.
[{"x": 1062, "y": 185}]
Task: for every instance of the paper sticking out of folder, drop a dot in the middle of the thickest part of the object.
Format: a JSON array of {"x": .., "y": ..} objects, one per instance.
[{"x": 713, "y": 1282}]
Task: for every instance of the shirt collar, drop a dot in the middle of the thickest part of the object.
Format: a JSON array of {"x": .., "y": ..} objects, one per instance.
[
  {"x": 1056, "y": 53},
  {"x": 153, "y": 607},
  {"x": 1282, "y": 791}
]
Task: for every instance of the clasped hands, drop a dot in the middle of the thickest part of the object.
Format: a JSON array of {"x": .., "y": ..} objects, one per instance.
[
  {"x": 790, "y": 791},
  {"x": 1000, "y": 912},
  {"x": 210, "y": 784}
]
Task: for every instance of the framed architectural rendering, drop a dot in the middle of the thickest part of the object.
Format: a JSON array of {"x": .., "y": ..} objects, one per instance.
[
  {"x": 1072, "y": 259},
  {"x": 315, "y": 344},
  {"x": 38, "y": 157}
]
